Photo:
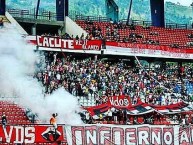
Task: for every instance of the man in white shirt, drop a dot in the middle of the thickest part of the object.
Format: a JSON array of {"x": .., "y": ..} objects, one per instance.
[{"x": 110, "y": 114}]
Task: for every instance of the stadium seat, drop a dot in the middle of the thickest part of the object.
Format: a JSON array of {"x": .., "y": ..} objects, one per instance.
[
  {"x": 165, "y": 36},
  {"x": 15, "y": 114}
]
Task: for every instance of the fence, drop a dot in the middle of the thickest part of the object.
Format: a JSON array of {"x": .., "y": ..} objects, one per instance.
[
  {"x": 31, "y": 14},
  {"x": 74, "y": 15},
  {"x": 78, "y": 16}
]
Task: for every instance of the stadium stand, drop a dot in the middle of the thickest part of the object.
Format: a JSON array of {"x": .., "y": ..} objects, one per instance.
[
  {"x": 93, "y": 81},
  {"x": 97, "y": 79},
  {"x": 14, "y": 113},
  {"x": 90, "y": 80},
  {"x": 142, "y": 34}
]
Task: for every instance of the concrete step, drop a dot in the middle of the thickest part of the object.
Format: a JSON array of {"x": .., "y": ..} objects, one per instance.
[{"x": 4, "y": 18}]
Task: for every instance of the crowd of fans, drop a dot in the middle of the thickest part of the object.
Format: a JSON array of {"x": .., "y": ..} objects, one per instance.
[
  {"x": 112, "y": 33},
  {"x": 120, "y": 117},
  {"x": 98, "y": 78}
]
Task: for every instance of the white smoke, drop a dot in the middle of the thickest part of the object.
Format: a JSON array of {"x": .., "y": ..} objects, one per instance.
[{"x": 17, "y": 67}]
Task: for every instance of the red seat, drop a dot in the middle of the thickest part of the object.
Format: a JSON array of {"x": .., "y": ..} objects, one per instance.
[
  {"x": 166, "y": 36},
  {"x": 14, "y": 113}
]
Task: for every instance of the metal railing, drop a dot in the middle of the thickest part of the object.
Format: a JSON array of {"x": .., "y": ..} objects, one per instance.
[
  {"x": 92, "y": 18},
  {"x": 74, "y": 15},
  {"x": 138, "y": 22},
  {"x": 78, "y": 16},
  {"x": 176, "y": 26},
  {"x": 31, "y": 14}
]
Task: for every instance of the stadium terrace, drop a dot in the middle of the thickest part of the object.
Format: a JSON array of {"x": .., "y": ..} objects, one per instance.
[{"x": 72, "y": 79}]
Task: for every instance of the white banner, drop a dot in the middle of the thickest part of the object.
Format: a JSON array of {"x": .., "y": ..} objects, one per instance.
[
  {"x": 129, "y": 135},
  {"x": 146, "y": 52}
]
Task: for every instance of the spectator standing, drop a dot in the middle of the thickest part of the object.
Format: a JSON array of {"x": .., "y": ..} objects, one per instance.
[
  {"x": 4, "y": 121},
  {"x": 52, "y": 130},
  {"x": 187, "y": 120},
  {"x": 87, "y": 117},
  {"x": 110, "y": 115}
]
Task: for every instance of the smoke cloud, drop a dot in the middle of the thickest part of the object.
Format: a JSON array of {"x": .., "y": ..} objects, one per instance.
[{"x": 17, "y": 68}]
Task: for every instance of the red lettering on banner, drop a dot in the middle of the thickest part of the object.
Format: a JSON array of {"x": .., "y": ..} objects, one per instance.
[
  {"x": 91, "y": 135},
  {"x": 104, "y": 134},
  {"x": 191, "y": 133},
  {"x": 138, "y": 51},
  {"x": 151, "y": 51},
  {"x": 166, "y": 51},
  {"x": 78, "y": 135},
  {"x": 156, "y": 136},
  {"x": 142, "y": 51},
  {"x": 143, "y": 135},
  {"x": 186, "y": 55},
  {"x": 168, "y": 136},
  {"x": 184, "y": 136},
  {"x": 118, "y": 137},
  {"x": 130, "y": 136}
]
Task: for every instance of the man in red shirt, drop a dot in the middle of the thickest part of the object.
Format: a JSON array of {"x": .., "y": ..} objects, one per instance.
[{"x": 52, "y": 130}]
